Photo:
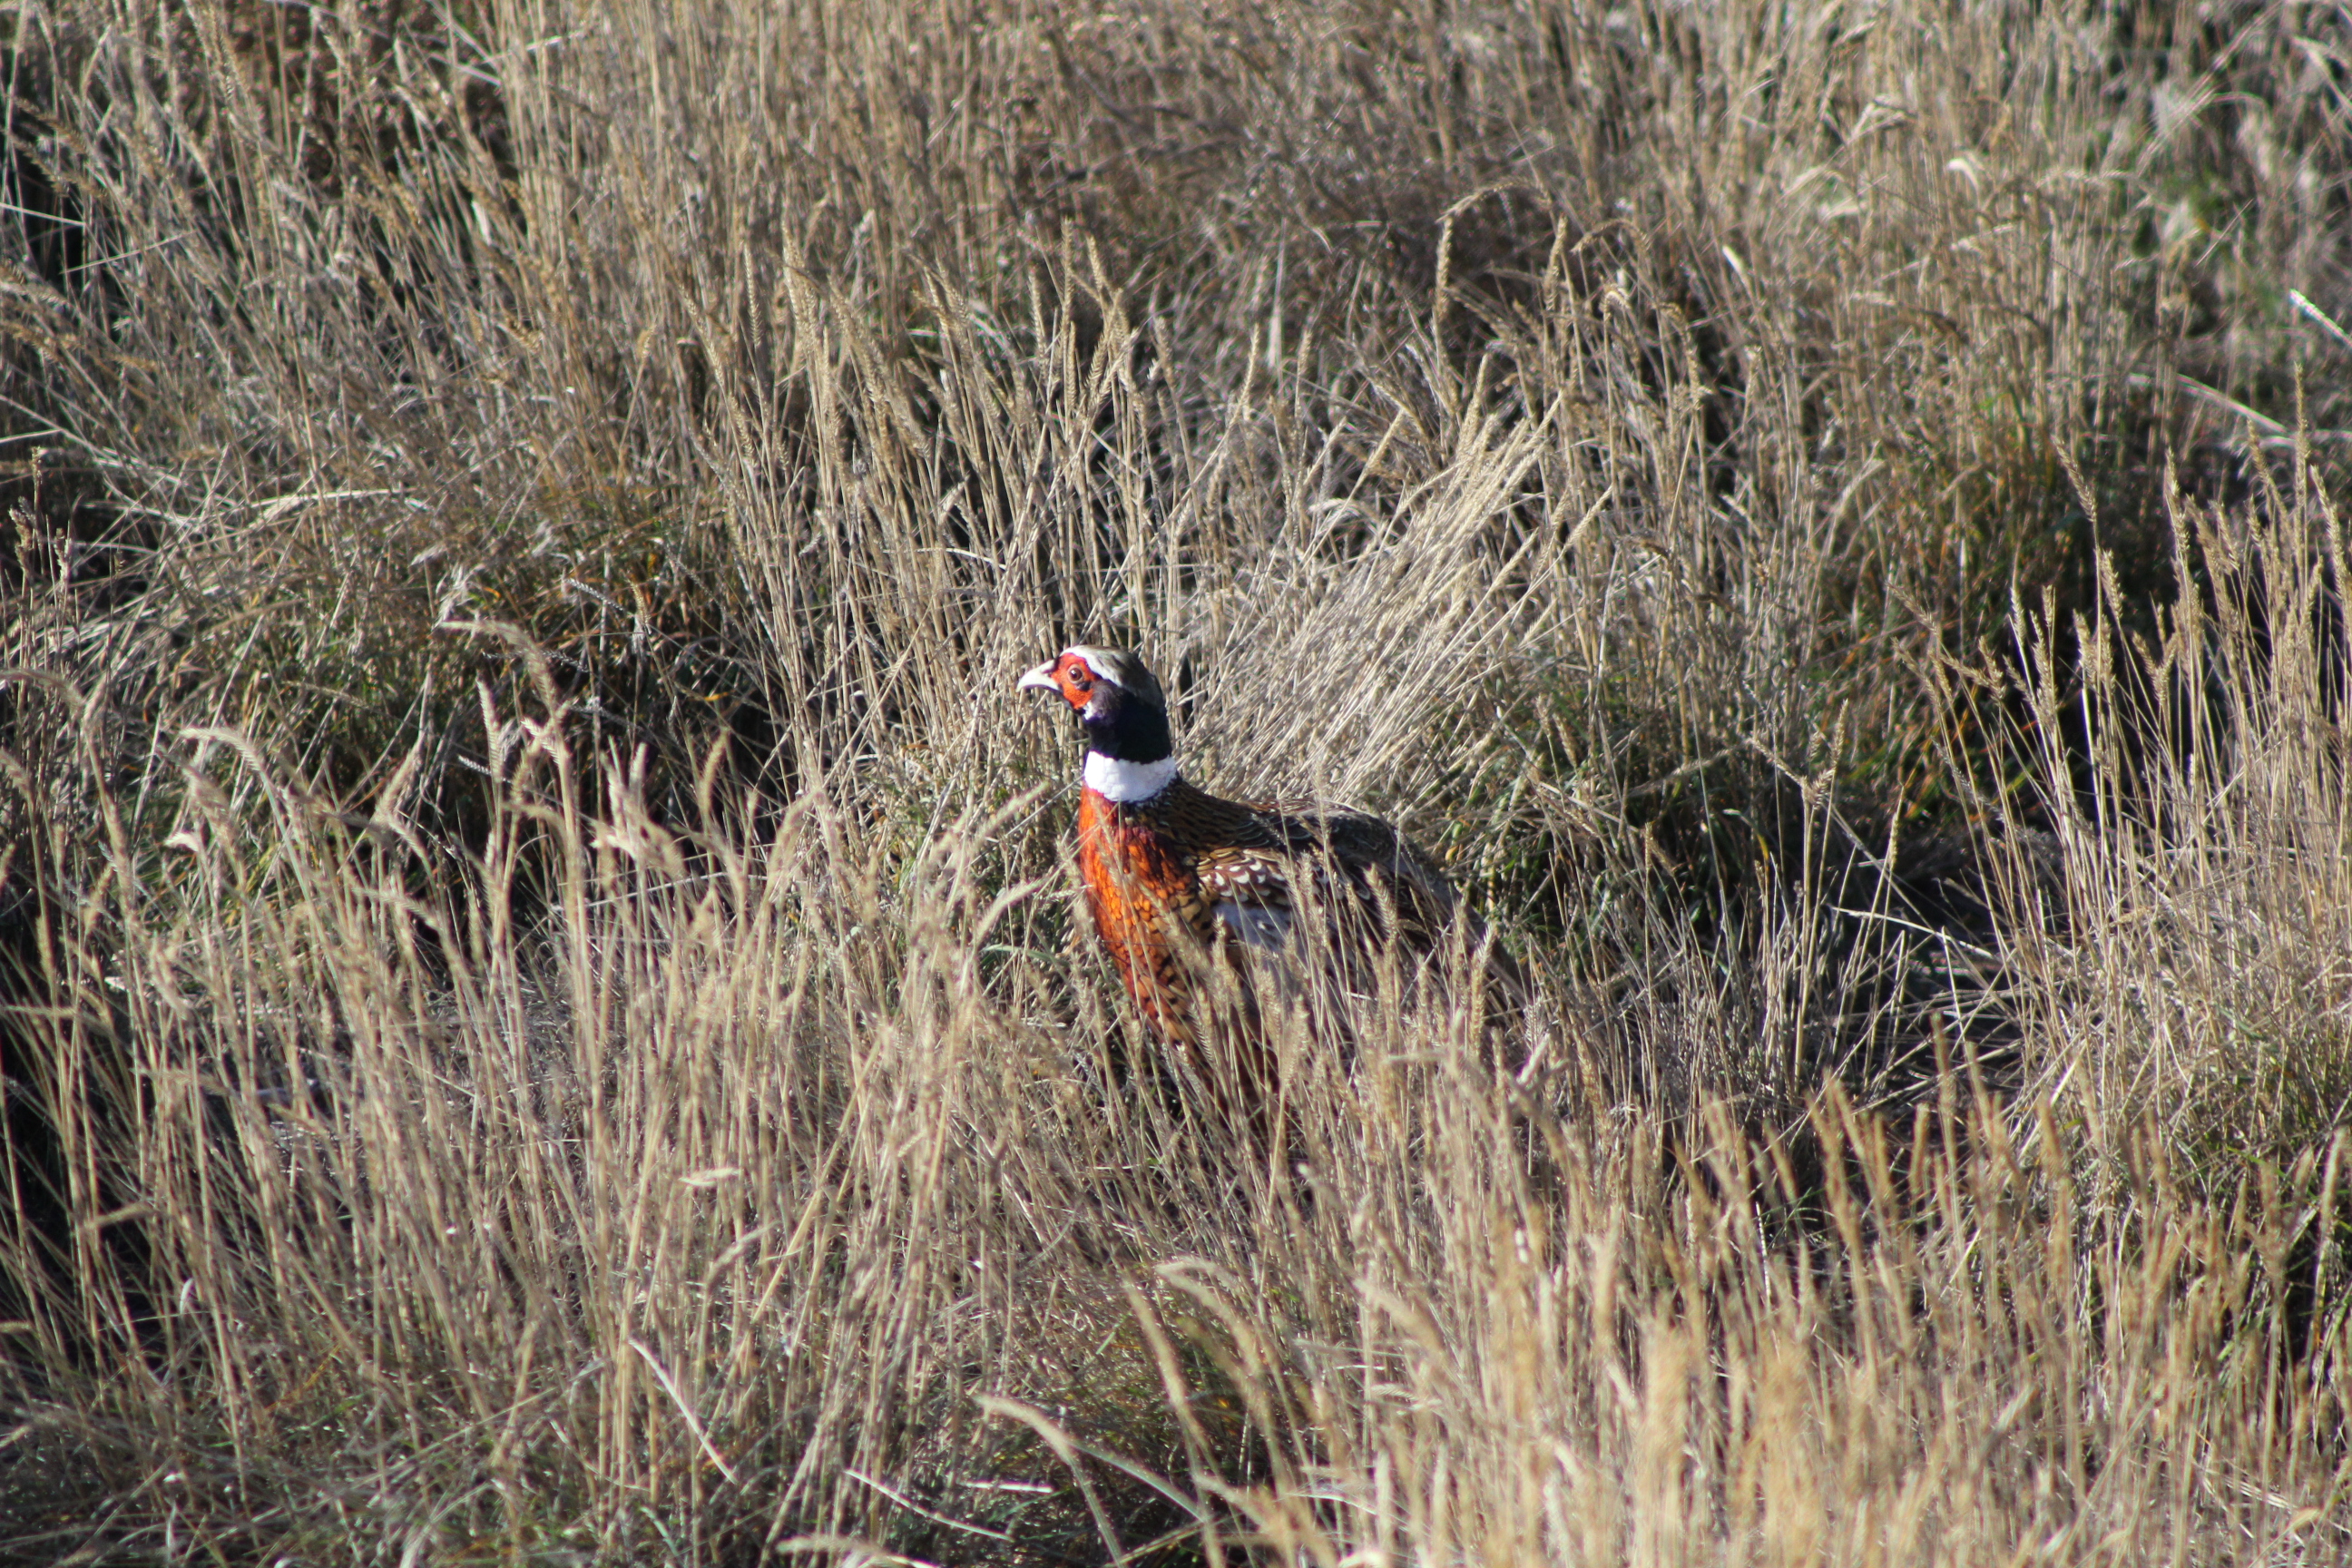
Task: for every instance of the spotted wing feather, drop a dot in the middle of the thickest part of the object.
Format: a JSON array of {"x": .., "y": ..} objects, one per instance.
[{"x": 1259, "y": 865}]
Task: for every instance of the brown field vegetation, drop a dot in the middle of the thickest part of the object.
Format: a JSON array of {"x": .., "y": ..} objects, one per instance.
[{"x": 544, "y": 1015}]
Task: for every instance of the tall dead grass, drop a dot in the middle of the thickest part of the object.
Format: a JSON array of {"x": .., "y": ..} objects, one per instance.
[{"x": 545, "y": 1020}]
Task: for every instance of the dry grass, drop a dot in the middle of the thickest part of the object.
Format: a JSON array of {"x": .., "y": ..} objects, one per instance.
[{"x": 544, "y": 1018}]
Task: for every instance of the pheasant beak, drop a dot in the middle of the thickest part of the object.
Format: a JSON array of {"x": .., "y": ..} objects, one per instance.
[{"x": 1040, "y": 679}]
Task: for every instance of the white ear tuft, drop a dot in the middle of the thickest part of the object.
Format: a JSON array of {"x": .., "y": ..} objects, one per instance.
[{"x": 1103, "y": 672}]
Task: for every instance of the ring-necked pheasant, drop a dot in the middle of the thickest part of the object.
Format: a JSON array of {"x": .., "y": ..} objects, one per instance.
[{"x": 1176, "y": 878}]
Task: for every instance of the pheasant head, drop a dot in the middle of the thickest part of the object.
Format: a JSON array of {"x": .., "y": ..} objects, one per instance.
[{"x": 1130, "y": 756}]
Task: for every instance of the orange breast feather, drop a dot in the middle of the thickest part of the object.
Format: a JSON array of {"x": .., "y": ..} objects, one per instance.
[{"x": 1147, "y": 905}]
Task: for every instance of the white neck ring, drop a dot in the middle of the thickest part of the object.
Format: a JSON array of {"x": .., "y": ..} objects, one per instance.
[{"x": 1127, "y": 782}]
